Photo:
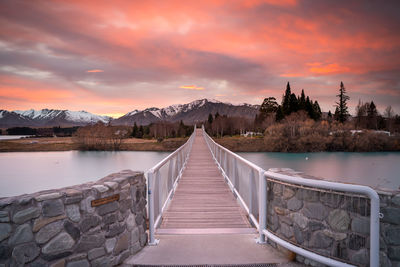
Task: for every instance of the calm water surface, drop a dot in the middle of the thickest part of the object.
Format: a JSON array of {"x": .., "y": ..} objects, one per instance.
[
  {"x": 28, "y": 172},
  {"x": 375, "y": 169},
  {"x": 12, "y": 137}
]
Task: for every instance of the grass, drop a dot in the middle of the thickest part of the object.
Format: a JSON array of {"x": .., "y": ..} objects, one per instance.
[{"x": 69, "y": 143}]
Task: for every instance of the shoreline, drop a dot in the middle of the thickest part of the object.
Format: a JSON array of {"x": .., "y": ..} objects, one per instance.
[{"x": 233, "y": 143}]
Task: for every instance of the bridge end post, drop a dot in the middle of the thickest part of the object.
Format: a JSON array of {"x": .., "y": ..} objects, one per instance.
[
  {"x": 152, "y": 240},
  {"x": 262, "y": 207}
]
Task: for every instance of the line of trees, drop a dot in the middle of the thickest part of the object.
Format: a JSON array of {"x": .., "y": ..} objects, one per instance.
[
  {"x": 162, "y": 130},
  {"x": 43, "y": 132}
]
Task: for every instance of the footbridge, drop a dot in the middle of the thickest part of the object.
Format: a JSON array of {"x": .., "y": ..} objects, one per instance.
[{"x": 207, "y": 205}]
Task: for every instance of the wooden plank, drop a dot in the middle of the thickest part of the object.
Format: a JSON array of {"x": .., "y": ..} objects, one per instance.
[{"x": 203, "y": 201}]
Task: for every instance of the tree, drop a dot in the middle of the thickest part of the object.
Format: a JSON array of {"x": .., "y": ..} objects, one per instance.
[
  {"x": 286, "y": 100},
  {"x": 341, "y": 105},
  {"x": 389, "y": 114},
  {"x": 372, "y": 114},
  {"x": 134, "y": 130},
  {"x": 210, "y": 118},
  {"x": 269, "y": 105},
  {"x": 279, "y": 114}
]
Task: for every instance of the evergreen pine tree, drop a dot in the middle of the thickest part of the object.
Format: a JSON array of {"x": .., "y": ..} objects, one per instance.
[
  {"x": 134, "y": 130},
  {"x": 210, "y": 118},
  {"x": 279, "y": 114},
  {"x": 286, "y": 100},
  {"x": 341, "y": 105}
]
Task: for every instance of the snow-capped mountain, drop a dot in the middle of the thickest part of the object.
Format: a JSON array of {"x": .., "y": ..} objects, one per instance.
[
  {"x": 48, "y": 117},
  {"x": 193, "y": 112}
]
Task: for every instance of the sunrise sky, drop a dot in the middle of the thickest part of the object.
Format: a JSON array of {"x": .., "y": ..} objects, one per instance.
[{"x": 111, "y": 57}]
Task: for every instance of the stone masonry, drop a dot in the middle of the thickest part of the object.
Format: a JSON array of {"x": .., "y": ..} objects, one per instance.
[
  {"x": 332, "y": 223},
  {"x": 61, "y": 228}
]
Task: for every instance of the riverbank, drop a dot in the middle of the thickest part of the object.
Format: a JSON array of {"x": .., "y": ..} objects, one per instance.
[{"x": 70, "y": 143}]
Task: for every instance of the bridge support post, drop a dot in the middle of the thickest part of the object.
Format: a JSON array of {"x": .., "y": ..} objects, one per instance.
[
  {"x": 262, "y": 206},
  {"x": 150, "y": 191}
]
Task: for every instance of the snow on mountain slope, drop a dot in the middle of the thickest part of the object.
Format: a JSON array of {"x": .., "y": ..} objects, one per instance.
[{"x": 85, "y": 117}]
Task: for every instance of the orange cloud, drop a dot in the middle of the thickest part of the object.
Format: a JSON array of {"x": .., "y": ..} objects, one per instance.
[
  {"x": 291, "y": 75},
  {"x": 327, "y": 69},
  {"x": 95, "y": 71},
  {"x": 191, "y": 87}
]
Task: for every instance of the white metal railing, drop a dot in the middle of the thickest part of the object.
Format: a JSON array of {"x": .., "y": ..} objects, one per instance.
[
  {"x": 162, "y": 180},
  {"x": 241, "y": 177},
  {"x": 246, "y": 181}
]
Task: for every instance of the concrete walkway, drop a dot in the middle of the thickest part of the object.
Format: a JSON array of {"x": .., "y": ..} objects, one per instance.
[{"x": 207, "y": 249}]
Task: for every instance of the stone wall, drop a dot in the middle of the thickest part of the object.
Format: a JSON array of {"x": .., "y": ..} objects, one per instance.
[
  {"x": 334, "y": 224},
  {"x": 63, "y": 228}
]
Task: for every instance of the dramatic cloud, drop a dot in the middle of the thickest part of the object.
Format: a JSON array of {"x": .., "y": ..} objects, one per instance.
[{"x": 115, "y": 56}]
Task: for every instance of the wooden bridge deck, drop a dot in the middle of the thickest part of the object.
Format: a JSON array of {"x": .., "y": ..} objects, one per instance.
[{"x": 203, "y": 201}]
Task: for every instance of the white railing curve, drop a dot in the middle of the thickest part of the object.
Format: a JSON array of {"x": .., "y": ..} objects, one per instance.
[
  {"x": 243, "y": 185},
  {"x": 162, "y": 180}
]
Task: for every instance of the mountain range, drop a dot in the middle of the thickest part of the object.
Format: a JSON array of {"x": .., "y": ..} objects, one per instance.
[{"x": 193, "y": 112}]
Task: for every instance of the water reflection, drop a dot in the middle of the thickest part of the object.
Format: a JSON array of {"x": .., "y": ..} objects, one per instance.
[
  {"x": 27, "y": 172},
  {"x": 375, "y": 169}
]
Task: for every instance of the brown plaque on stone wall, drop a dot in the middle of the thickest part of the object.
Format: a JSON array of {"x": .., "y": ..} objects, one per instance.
[{"x": 105, "y": 200}]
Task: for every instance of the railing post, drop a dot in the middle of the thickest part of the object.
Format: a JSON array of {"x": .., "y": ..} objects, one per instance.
[
  {"x": 152, "y": 240},
  {"x": 262, "y": 206},
  {"x": 251, "y": 181}
]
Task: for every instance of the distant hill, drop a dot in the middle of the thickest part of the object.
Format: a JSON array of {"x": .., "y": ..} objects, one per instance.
[{"x": 191, "y": 113}]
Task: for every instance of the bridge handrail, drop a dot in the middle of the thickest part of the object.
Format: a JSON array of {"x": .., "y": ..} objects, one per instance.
[
  {"x": 261, "y": 225},
  {"x": 214, "y": 147},
  {"x": 344, "y": 187},
  {"x": 180, "y": 156}
]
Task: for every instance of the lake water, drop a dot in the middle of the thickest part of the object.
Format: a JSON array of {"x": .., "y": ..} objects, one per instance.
[
  {"x": 28, "y": 172},
  {"x": 12, "y": 137},
  {"x": 375, "y": 169}
]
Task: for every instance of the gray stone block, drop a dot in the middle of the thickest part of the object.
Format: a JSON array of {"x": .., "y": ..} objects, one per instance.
[
  {"x": 391, "y": 215},
  {"x": 73, "y": 213},
  {"x": 26, "y": 214},
  {"x": 48, "y": 232},
  {"x": 42, "y": 221},
  {"x": 80, "y": 263},
  {"x": 360, "y": 225},
  {"x": 110, "y": 218},
  {"x": 339, "y": 220},
  {"x": 73, "y": 199},
  {"x": 287, "y": 231},
  {"x": 300, "y": 220},
  {"x": 107, "y": 208},
  {"x": 356, "y": 241},
  {"x": 134, "y": 236},
  {"x": 320, "y": 240},
  {"x": 294, "y": 204},
  {"x": 96, "y": 253},
  {"x": 394, "y": 253},
  {"x": 361, "y": 257},
  {"x": 25, "y": 253},
  {"x": 396, "y": 200},
  {"x": 5, "y": 251},
  {"x": 21, "y": 235},
  {"x": 86, "y": 204},
  {"x": 59, "y": 246},
  {"x": 49, "y": 196},
  {"x": 102, "y": 262},
  {"x": 315, "y": 211},
  {"x": 115, "y": 229},
  {"x": 72, "y": 230},
  {"x": 288, "y": 192},
  {"x": 130, "y": 222},
  {"x": 122, "y": 243},
  {"x": 52, "y": 208},
  {"x": 110, "y": 243},
  {"x": 5, "y": 231},
  {"x": 123, "y": 256},
  {"x": 88, "y": 222},
  {"x": 331, "y": 200},
  {"x": 392, "y": 235},
  {"x": 4, "y": 217},
  {"x": 88, "y": 242}
]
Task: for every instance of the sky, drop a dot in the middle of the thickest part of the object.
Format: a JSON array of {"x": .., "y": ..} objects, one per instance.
[{"x": 111, "y": 57}]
